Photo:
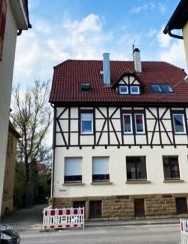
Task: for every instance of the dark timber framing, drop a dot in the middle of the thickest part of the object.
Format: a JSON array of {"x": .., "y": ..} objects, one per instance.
[{"x": 108, "y": 116}]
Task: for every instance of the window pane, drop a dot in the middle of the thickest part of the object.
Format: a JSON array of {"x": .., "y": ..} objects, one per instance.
[
  {"x": 100, "y": 165},
  {"x": 135, "y": 89},
  {"x": 72, "y": 166},
  {"x": 123, "y": 89},
  {"x": 127, "y": 123},
  {"x": 165, "y": 88},
  {"x": 156, "y": 88},
  {"x": 86, "y": 122},
  {"x": 139, "y": 123},
  {"x": 171, "y": 167},
  {"x": 136, "y": 168},
  {"x": 178, "y": 120}
]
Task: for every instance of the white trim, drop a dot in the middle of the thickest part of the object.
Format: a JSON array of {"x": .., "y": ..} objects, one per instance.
[
  {"x": 183, "y": 119},
  {"x": 143, "y": 122},
  {"x": 131, "y": 123}
]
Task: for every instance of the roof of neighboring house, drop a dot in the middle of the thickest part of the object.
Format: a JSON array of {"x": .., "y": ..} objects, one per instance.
[
  {"x": 179, "y": 18},
  {"x": 69, "y": 75}
]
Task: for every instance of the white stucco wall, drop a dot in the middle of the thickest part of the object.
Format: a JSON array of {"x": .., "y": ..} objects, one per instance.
[
  {"x": 117, "y": 156},
  {"x": 185, "y": 35},
  {"x": 6, "y": 74},
  {"x": 117, "y": 171}
]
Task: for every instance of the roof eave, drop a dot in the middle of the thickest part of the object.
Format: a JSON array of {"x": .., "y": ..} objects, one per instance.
[{"x": 21, "y": 14}]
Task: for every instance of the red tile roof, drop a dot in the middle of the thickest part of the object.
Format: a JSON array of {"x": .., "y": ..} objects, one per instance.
[{"x": 70, "y": 74}]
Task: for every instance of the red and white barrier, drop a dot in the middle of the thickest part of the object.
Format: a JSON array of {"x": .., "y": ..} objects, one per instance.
[
  {"x": 63, "y": 218},
  {"x": 184, "y": 225}
]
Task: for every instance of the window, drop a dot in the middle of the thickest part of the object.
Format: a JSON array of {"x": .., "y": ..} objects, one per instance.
[
  {"x": 72, "y": 170},
  {"x": 100, "y": 169},
  {"x": 123, "y": 89},
  {"x": 135, "y": 90},
  {"x": 171, "y": 167},
  {"x": 139, "y": 123},
  {"x": 181, "y": 205},
  {"x": 136, "y": 168},
  {"x": 86, "y": 123},
  {"x": 178, "y": 122},
  {"x": 3, "y": 11},
  {"x": 161, "y": 88},
  {"x": 95, "y": 209},
  {"x": 127, "y": 123}
]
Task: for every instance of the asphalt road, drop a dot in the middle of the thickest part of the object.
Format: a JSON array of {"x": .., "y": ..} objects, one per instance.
[{"x": 148, "y": 234}]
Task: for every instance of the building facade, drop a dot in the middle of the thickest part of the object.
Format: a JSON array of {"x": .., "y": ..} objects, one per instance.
[
  {"x": 13, "y": 19},
  {"x": 120, "y": 138},
  {"x": 9, "y": 179}
]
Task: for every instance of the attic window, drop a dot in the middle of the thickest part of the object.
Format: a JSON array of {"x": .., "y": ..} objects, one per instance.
[
  {"x": 161, "y": 88},
  {"x": 85, "y": 86}
]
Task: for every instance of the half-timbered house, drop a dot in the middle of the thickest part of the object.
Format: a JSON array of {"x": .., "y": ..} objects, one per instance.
[{"x": 120, "y": 137}]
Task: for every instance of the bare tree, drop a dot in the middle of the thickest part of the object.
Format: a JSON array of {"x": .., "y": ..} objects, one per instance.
[{"x": 31, "y": 116}]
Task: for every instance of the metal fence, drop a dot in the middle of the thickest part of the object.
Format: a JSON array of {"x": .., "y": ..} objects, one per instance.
[{"x": 63, "y": 218}]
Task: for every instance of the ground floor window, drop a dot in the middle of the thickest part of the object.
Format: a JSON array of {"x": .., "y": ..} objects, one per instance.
[
  {"x": 171, "y": 167},
  {"x": 136, "y": 168},
  {"x": 95, "y": 209},
  {"x": 139, "y": 207},
  {"x": 100, "y": 169},
  {"x": 181, "y": 205},
  {"x": 79, "y": 204},
  {"x": 72, "y": 169}
]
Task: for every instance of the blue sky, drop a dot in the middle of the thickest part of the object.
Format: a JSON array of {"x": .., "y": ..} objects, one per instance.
[{"x": 84, "y": 29}]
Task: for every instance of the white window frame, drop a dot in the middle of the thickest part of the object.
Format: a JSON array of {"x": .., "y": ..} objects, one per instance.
[
  {"x": 131, "y": 123},
  {"x": 173, "y": 121},
  {"x": 106, "y": 171},
  {"x": 78, "y": 171},
  {"x": 123, "y": 93},
  {"x": 135, "y": 93},
  {"x": 143, "y": 121},
  {"x": 92, "y": 123}
]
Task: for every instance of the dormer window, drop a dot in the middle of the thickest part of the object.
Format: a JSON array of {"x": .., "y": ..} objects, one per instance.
[
  {"x": 129, "y": 85},
  {"x": 161, "y": 88}
]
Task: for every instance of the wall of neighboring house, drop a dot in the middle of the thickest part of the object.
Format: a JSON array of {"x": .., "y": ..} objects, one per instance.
[
  {"x": 9, "y": 179},
  {"x": 185, "y": 35},
  {"x": 118, "y": 195},
  {"x": 6, "y": 74}
]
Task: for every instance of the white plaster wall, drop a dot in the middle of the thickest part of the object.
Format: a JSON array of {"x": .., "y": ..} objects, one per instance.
[
  {"x": 117, "y": 171},
  {"x": 185, "y": 36},
  {"x": 6, "y": 74}
]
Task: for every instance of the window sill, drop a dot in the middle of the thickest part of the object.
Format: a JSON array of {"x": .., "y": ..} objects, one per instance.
[
  {"x": 72, "y": 183},
  {"x": 173, "y": 181},
  {"x": 101, "y": 183},
  {"x": 138, "y": 182}
]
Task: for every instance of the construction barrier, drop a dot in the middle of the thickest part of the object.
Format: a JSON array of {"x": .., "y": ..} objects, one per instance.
[
  {"x": 63, "y": 218},
  {"x": 184, "y": 225}
]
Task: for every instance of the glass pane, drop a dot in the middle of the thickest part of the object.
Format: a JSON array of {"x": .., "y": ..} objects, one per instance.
[
  {"x": 135, "y": 89},
  {"x": 166, "y": 88},
  {"x": 171, "y": 167},
  {"x": 100, "y": 166},
  {"x": 139, "y": 123},
  {"x": 123, "y": 90},
  {"x": 178, "y": 122},
  {"x": 136, "y": 168},
  {"x": 86, "y": 122},
  {"x": 156, "y": 88},
  {"x": 86, "y": 126},
  {"x": 72, "y": 166},
  {"x": 127, "y": 123}
]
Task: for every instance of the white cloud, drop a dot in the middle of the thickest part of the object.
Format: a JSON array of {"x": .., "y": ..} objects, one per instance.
[{"x": 149, "y": 6}]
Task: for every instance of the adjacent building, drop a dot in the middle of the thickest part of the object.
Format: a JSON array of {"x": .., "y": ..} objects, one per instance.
[
  {"x": 120, "y": 137},
  {"x": 177, "y": 26},
  {"x": 13, "y": 19},
  {"x": 9, "y": 179}
]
